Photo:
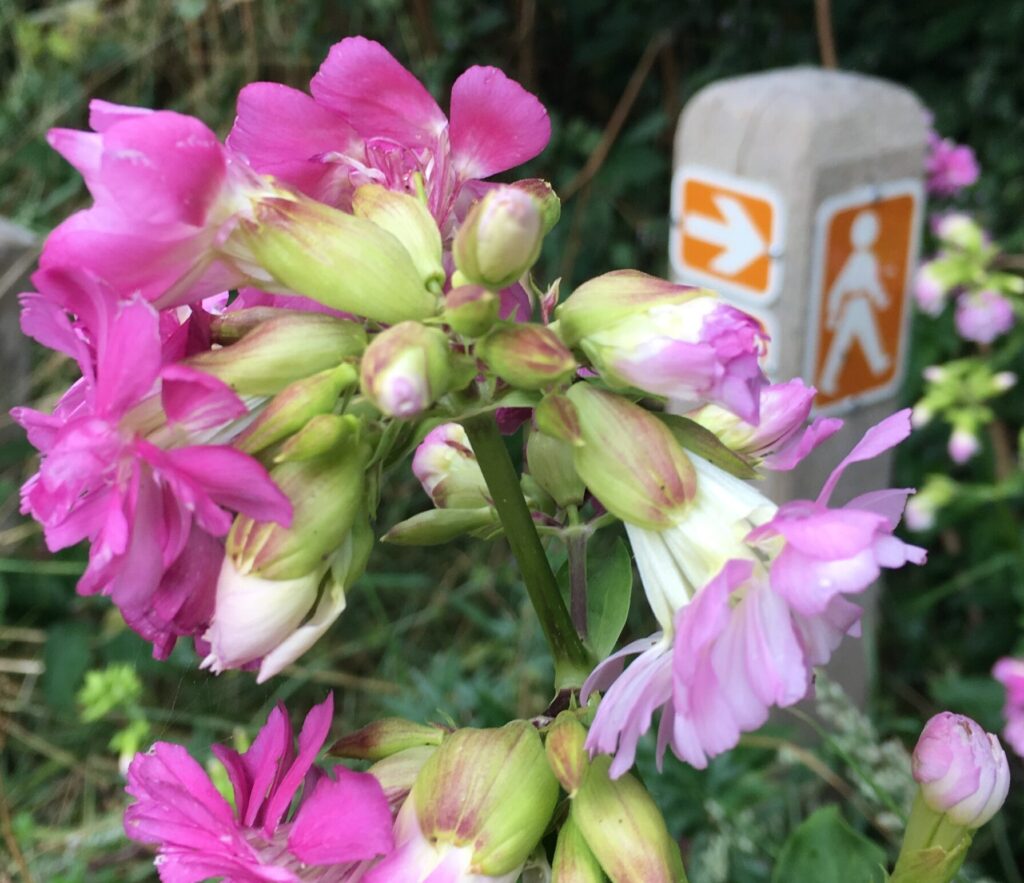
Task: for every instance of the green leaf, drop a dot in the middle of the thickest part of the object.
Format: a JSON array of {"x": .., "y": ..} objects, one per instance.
[
  {"x": 825, "y": 849},
  {"x": 703, "y": 442},
  {"x": 609, "y": 590}
]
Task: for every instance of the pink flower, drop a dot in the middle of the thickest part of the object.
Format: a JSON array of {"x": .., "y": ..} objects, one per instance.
[
  {"x": 929, "y": 290},
  {"x": 743, "y": 635},
  {"x": 340, "y": 823},
  {"x": 963, "y": 445},
  {"x": 950, "y": 167},
  {"x": 119, "y": 467},
  {"x": 828, "y": 552},
  {"x": 369, "y": 119},
  {"x": 1010, "y": 673},
  {"x": 166, "y": 197},
  {"x": 982, "y": 316},
  {"x": 781, "y": 439}
]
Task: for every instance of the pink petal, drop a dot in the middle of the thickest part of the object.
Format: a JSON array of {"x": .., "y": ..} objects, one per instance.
[
  {"x": 801, "y": 444},
  {"x": 83, "y": 150},
  {"x": 163, "y": 168},
  {"x": 828, "y": 533},
  {"x": 104, "y": 114},
  {"x": 343, "y": 820},
  {"x": 364, "y": 83},
  {"x": 888, "y": 502},
  {"x": 129, "y": 358},
  {"x": 495, "y": 123},
  {"x": 879, "y": 438},
  {"x": 198, "y": 399}
]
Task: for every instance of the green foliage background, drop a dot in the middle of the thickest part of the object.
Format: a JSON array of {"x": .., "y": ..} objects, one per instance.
[{"x": 446, "y": 632}]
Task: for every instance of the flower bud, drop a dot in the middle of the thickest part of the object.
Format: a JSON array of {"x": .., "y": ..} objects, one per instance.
[
  {"x": 545, "y": 196},
  {"x": 566, "y": 751},
  {"x": 556, "y": 416},
  {"x": 295, "y": 406},
  {"x": 550, "y": 462},
  {"x": 480, "y": 806},
  {"x": 437, "y": 526},
  {"x": 629, "y": 459},
  {"x": 930, "y": 288},
  {"x": 386, "y": 737},
  {"x": 282, "y": 350},
  {"x": 963, "y": 444},
  {"x": 574, "y": 862},
  {"x": 525, "y": 355},
  {"x": 623, "y": 827},
  {"x": 471, "y": 310},
  {"x": 961, "y": 231},
  {"x": 937, "y": 493},
  {"x": 339, "y": 260},
  {"x": 397, "y": 773},
  {"x": 500, "y": 239},
  {"x": 446, "y": 466},
  {"x": 962, "y": 770},
  {"x": 321, "y": 435},
  {"x": 406, "y": 369},
  {"x": 406, "y": 218}
]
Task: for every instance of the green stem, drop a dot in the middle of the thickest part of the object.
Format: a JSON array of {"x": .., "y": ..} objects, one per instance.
[{"x": 572, "y": 661}]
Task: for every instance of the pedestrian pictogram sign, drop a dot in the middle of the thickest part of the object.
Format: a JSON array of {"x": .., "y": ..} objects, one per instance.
[
  {"x": 727, "y": 233},
  {"x": 864, "y": 240}
]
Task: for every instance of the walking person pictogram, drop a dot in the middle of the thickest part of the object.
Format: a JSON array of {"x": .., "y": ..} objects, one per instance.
[{"x": 851, "y": 305}]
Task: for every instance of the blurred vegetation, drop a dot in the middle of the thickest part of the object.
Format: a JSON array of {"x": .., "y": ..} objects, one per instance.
[{"x": 446, "y": 633}]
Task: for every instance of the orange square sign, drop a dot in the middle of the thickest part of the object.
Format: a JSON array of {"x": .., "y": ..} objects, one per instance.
[
  {"x": 727, "y": 233},
  {"x": 865, "y": 244}
]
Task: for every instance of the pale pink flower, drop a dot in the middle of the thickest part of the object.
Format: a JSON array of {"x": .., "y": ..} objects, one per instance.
[
  {"x": 1010, "y": 673},
  {"x": 120, "y": 466},
  {"x": 340, "y": 824},
  {"x": 982, "y": 316},
  {"x": 929, "y": 290},
  {"x": 950, "y": 167},
  {"x": 370, "y": 120},
  {"x": 963, "y": 444}
]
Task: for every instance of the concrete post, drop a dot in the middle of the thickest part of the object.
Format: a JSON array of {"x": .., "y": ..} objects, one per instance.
[{"x": 798, "y": 195}]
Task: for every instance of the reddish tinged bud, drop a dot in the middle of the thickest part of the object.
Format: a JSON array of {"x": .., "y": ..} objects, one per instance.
[
  {"x": 385, "y": 737},
  {"x": 471, "y": 310},
  {"x": 406, "y": 369},
  {"x": 526, "y": 355}
]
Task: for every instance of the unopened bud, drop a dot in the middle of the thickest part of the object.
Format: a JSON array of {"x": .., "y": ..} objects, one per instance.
[
  {"x": 406, "y": 218},
  {"x": 500, "y": 238},
  {"x": 961, "y": 231},
  {"x": 282, "y": 350},
  {"x": 555, "y": 415},
  {"x": 406, "y": 369},
  {"x": 962, "y": 770},
  {"x": 963, "y": 444},
  {"x": 386, "y": 737},
  {"x": 574, "y": 861},
  {"x": 624, "y": 828},
  {"x": 437, "y": 526},
  {"x": 630, "y": 460},
  {"x": 525, "y": 355},
  {"x": 566, "y": 751},
  {"x": 323, "y": 434},
  {"x": 295, "y": 406},
  {"x": 397, "y": 773},
  {"x": 550, "y": 462},
  {"x": 447, "y": 468},
  {"x": 471, "y": 309},
  {"x": 546, "y": 198},
  {"x": 337, "y": 259}
]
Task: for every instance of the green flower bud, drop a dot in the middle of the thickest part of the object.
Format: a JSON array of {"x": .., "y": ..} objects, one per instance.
[
  {"x": 490, "y": 791},
  {"x": 500, "y": 238},
  {"x": 526, "y": 355},
  {"x": 386, "y": 737},
  {"x": 282, "y": 350},
  {"x": 630, "y": 460},
  {"x": 547, "y": 199},
  {"x": 406, "y": 218},
  {"x": 295, "y": 406},
  {"x": 567, "y": 756},
  {"x": 551, "y": 464},
  {"x": 471, "y": 309},
  {"x": 610, "y": 299},
  {"x": 574, "y": 861},
  {"x": 624, "y": 828},
  {"x": 556, "y": 416},
  {"x": 323, "y": 434},
  {"x": 337, "y": 259},
  {"x": 406, "y": 369},
  {"x": 437, "y": 526}
]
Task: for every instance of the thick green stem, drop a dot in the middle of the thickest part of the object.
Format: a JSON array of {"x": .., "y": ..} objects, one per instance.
[{"x": 572, "y": 661}]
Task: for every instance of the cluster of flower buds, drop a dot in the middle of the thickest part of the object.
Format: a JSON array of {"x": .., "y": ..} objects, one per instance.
[
  {"x": 958, "y": 393},
  {"x": 963, "y": 780},
  {"x": 458, "y": 805},
  {"x": 987, "y": 299}
]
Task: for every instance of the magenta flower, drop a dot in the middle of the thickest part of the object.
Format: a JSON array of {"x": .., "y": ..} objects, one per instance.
[
  {"x": 166, "y": 197},
  {"x": 339, "y": 825},
  {"x": 781, "y": 439},
  {"x": 120, "y": 465},
  {"x": 370, "y": 120},
  {"x": 829, "y": 552},
  {"x": 982, "y": 316},
  {"x": 1010, "y": 673},
  {"x": 950, "y": 167}
]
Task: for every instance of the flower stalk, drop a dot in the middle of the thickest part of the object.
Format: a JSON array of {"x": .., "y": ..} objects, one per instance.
[{"x": 572, "y": 661}]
